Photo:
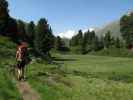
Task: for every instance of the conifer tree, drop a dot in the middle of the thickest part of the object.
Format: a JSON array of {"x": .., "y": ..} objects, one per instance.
[
  {"x": 4, "y": 16},
  {"x": 126, "y": 27},
  {"x": 30, "y": 32},
  {"x": 44, "y": 39}
]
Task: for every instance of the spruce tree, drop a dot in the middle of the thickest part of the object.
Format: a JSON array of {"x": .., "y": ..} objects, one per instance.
[
  {"x": 4, "y": 16},
  {"x": 95, "y": 44},
  {"x": 126, "y": 27},
  {"x": 8, "y": 25},
  {"x": 44, "y": 39},
  {"x": 21, "y": 30},
  {"x": 117, "y": 43},
  {"x": 85, "y": 43},
  {"x": 60, "y": 44},
  {"x": 107, "y": 40},
  {"x": 30, "y": 32},
  {"x": 76, "y": 42},
  {"x": 77, "y": 39}
]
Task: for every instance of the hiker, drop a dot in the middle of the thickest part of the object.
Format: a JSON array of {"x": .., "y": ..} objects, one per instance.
[{"x": 21, "y": 57}]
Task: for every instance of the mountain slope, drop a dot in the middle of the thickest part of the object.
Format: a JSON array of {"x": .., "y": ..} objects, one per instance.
[{"x": 114, "y": 27}]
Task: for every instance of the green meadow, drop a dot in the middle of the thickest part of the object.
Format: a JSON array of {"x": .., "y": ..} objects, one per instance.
[
  {"x": 8, "y": 90},
  {"x": 83, "y": 77},
  {"x": 69, "y": 77}
]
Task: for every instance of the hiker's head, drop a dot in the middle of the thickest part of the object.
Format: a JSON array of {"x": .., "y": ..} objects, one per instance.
[{"x": 22, "y": 43}]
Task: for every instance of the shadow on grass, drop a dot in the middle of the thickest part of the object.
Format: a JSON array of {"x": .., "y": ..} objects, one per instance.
[
  {"x": 51, "y": 76},
  {"x": 62, "y": 59},
  {"x": 119, "y": 77},
  {"x": 49, "y": 72}
]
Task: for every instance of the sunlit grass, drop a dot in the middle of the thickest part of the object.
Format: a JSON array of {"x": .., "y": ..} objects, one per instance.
[
  {"x": 8, "y": 90},
  {"x": 79, "y": 77}
]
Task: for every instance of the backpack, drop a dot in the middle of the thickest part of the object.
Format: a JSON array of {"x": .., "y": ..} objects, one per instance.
[{"x": 21, "y": 53}]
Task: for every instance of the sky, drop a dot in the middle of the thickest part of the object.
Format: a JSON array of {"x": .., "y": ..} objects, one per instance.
[{"x": 68, "y": 16}]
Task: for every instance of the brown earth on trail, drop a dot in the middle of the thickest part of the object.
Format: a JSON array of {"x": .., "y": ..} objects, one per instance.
[{"x": 27, "y": 92}]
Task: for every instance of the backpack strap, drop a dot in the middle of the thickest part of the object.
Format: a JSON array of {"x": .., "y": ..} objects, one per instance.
[{"x": 19, "y": 54}]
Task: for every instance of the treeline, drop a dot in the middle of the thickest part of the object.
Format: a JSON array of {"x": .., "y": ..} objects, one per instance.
[{"x": 87, "y": 42}]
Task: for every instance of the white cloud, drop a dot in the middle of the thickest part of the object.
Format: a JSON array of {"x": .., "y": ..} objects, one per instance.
[
  {"x": 70, "y": 33},
  {"x": 85, "y": 30},
  {"x": 91, "y": 29}
]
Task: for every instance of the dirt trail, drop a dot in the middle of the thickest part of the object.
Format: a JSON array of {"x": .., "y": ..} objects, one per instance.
[{"x": 27, "y": 92}]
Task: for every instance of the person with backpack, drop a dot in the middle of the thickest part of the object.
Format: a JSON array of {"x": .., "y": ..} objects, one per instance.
[{"x": 21, "y": 57}]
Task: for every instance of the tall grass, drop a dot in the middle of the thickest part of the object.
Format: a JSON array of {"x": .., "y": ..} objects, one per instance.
[
  {"x": 78, "y": 77},
  {"x": 8, "y": 89}
]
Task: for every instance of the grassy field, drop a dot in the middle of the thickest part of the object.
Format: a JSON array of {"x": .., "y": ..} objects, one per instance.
[
  {"x": 8, "y": 90},
  {"x": 70, "y": 77},
  {"x": 83, "y": 77}
]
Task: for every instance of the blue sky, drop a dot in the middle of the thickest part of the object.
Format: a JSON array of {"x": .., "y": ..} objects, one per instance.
[{"x": 64, "y": 15}]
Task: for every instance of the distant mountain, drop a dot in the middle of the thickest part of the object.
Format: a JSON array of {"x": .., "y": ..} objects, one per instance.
[{"x": 114, "y": 27}]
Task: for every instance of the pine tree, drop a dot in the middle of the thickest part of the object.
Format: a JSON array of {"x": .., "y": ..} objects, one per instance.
[
  {"x": 59, "y": 44},
  {"x": 107, "y": 40},
  {"x": 95, "y": 44},
  {"x": 21, "y": 30},
  {"x": 101, "y": 42},
  {"x": 77, "y": 39},
  {"x": 126, "y": 27},
  {"x": 8, "y": 25},
  {"x": 30, "y": 32},
  {"x": 117, "y": 43},
  {"x": 85, "y": 43},
  {"x": 76, "y": 42},
  {"x": 92, "y": 36},
  {"x": 4, "y": 16},
  {"x": 90, "y": 39},
  {"x": 12, "y": 29},
  {"x": 44, "y": 39}
]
